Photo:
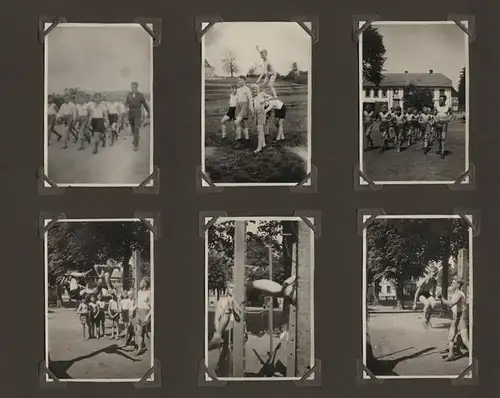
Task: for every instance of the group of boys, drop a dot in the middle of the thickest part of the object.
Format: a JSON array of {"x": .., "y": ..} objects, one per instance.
[
  {"x": 396, "y": 126},
  {"x": 93, "y": 120},
  {"x": 245, "y": 101}
]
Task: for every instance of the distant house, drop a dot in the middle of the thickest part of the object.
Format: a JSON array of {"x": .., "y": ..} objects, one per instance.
[
  {"x": 390, "y": 91},
  {"x": 209, "y": 70}
]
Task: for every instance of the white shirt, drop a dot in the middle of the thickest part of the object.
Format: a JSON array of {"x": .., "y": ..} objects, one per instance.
[
  {"x": 121, "y": 108},
  {"x": 244, "y": 94},
  {"x": 442, "y": 113},
  {"x": 233, "y": 100},
  {"x": 126, "y": 304},
  {"x": 52, "y": 109},
  {"x": 73, "y": 284},
  {"x": 67, "y": 109},
  {"x": 144, "y": 299},
  {"x": 274, "y": 104},
  {"x": 98, "y": 110},
  {"x": 113, "y": 108},
  {"x": 82, "y": 109},
  {"x": 113, "y": 305}
]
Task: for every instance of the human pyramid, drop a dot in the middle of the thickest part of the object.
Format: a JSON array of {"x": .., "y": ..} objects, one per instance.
[
  {"x": 102, "y": 302},
  {"x": 245, "y": 101},
  {"x": 397, "y": 127}
]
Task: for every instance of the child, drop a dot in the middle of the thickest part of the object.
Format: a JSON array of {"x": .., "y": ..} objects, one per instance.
[
  {"x": 384, "y": 118},
  {"x": 399, "y": 121},
  {"x": 113, "y": 312},
  {"x": 412, "y": 118},
  {"x": 98, "y": 115},
  {"x": 113, "y": 112},
  {"x": 231, "y": 112},
  {"x": 51, "y": 119},
  {"x": 244, "y": 105},
  {"x": 443, "y": 115},
  {"x": 279, "y": 109},
  {"x": 67, "y": 114},
  {"x": 425, "y": 121},
  {"x": 93, "y": 313},
  {"x": 258, "y": 99},
  {"x": 81, "y": 121},
  {"x": 269, "y": 73},
  {"x": 367, "y": 125},
  {"x": 127, "y": 308},
  {"x": 83, "y": 313}
]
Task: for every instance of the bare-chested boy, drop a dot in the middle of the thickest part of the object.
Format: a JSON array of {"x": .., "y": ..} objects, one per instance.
[{"x": 426, "y": 294}]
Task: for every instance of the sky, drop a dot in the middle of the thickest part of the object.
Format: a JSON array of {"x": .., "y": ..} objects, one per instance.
[
  {"x": 98, "y": 58},
  {"x": 418, "y": 48},
  {"x": 286, "y": 42}
]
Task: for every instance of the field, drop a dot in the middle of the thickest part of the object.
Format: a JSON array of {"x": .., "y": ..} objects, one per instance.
[
  {"x": 284, "y": 162},
  {"x": 411, "y": 164}
]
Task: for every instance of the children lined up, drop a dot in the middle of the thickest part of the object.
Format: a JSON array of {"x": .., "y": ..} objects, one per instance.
[{"x": 396, "y": 126}]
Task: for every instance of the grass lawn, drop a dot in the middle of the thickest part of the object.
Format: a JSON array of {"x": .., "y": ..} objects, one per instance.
[{"x": 284, "y": 162}]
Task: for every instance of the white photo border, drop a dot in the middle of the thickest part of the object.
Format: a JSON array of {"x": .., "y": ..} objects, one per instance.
[
  {"x": 466, "y": 179},
  {"x": 47, "y": 221},
  {"x": 307, "y": 183},
  {"x": 365, "y": 376},
  {"x": 312, "y": 342},
  {"x": 46, "y": 93}
]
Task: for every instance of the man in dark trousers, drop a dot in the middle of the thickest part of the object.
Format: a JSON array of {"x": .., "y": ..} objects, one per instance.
[{"x": 135, "y": 101}]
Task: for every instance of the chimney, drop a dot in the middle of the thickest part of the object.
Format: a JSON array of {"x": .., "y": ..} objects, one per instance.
[
  {"x": 431, "y": 71},
  {"x": 406, "y": 71}
]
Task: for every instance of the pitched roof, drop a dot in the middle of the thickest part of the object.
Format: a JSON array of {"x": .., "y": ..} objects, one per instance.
[
  {"x": 417, "y": 79},
  {"x": 207, "y": 65}
]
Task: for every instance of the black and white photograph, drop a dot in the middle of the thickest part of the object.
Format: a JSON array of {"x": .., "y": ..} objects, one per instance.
[
  {"x": 99, "y": 296},
  {"x": 259, "y": 299},
  {"x": 414, "y": 102},
  {"x": 98, "y": 129},
  {"x": 417, "y": 296},
  {"x": 256, "y": 103}
]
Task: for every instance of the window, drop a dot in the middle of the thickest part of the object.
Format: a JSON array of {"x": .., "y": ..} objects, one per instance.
[
  {"x": 367, "y": 92},
  {"x": 441, "y": 92},
  {"x": 389, "y": 289},
  {"x": 396, "y": 91},
  {"x": 375, "y": 93},
  {"x": 384, "y": 93}
]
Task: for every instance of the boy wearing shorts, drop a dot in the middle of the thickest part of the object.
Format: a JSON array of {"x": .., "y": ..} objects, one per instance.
[
  {"x": 67, "y": 115},
  {"x": 51, "y": 119},
  {"x": 368, "y": 125},
  {"x": 244, "y": 105},
  {"x": 443, "y": 115},
  {"x": 269, "y": 73},
  {"x": 259, "y": 99},
  {"x": 384, "y": 118},
  {"x": 399, "y": 121},
  {"x": 279, "y": 108},
  {"x": 425, "y": 120},
  {"x": 231, "y": 112},
  {"x": 98, "y": 118}
]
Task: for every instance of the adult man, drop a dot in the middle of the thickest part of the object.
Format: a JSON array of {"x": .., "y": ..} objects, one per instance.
[
  {"x": 135, "y": 101},
  {"x": 426, "y": 294},
  {"x": 67, "y": 115}
]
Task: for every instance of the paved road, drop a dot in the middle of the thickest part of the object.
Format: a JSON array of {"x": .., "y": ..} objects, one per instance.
[
  {"x": 404, "y": 347},
  {"x": 72, "y": 357},
  {"x": 117, "y": 164},
  {"x": 412, "y": 164}
]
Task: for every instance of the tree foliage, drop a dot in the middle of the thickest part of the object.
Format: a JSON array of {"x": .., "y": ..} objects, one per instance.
[
  {"x": 418, "y": 97},
  {"x": 373, "y": 55},
  {"x": 461, "y": 89},
  {"x": 400, "y": 249},
  {"x": 229, "y": 64},
  {"x": 75, "y": 245}
]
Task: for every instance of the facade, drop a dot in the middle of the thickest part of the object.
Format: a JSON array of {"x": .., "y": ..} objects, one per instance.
[
  {"x": 209, "y": 70},
  {"x": 388, "y": 290},
  {"x": 391, "y": 89}
]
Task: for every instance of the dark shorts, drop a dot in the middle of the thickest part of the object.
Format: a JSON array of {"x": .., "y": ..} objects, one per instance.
[
  {"x": 98, "y": 125},
  {"x": 425, "y": 294},
  {"x": 383, "y": 126},
  {"x": 231, "y": 113},
  {"x": 114, "y": 316},
  {"x": 67, "y": 120},
  {"x": 51, "y": 120},
  {"x": 113, "y": 118},
  {"x": 84, "y": 319},
  {"x": 125, "y": 316},
  {"x": 280, "y": 113}
]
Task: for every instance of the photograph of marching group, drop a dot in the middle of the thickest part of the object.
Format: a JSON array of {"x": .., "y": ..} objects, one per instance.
[
  {"x": 99, "y": 300},
  {"x": 259, "y": 299},
  {"x": 414, "y": 102},
  {"x": 256, "y": 103},
  {"x": 418, "y": 296},
  {"x": 98, "y": 112}
]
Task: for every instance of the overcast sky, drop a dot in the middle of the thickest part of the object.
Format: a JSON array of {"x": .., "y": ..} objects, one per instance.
[
  {"x": 99, "y": 58},
  {"x": 286, "y": 42},
  {"x": 418, "y": 48}
]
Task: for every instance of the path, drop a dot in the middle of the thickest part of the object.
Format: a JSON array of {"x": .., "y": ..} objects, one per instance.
[
  {"x": 412, "y": 165},
  {"x": 402, "y": 346},
  {"x": 117, "y": 164},
  {"x": 72, "y": 357}
]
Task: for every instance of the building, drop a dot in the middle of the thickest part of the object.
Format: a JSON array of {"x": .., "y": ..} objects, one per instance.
[
  {"x": 391, "y": 88},
  {"x": 209, "y": 70},
  {"x": 388, "y": 289}
]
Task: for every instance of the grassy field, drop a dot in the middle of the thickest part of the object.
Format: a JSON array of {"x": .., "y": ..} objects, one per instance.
[{"x": 283, "y": 162}]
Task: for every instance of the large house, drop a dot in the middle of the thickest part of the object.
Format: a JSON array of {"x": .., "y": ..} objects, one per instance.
[
  {"x": 391, "y": 89},
  {"x": 209, "y": 70}
]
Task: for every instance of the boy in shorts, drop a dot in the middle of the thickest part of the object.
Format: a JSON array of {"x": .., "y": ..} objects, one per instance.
[
  {"x": 51, "y": 119},
  {"x": 269, "y": 73},
  {"x": 231, "y": 112},
  {"x": 67, "y": 115},
  {"x": 426, "y": 294},
  {"x": 279, "y": 108},
  {"x": 98, "y": 115},
  {"x": 384, "y": 117},
  {"x": 83, "y": 312},
  {"x": 443, "y": 115},
  {"x": 244, "y": 106},
  {"x": 368, "y": 125},
  {"x": 259, "y": 98},
  {"x": 399, "y": 122}
]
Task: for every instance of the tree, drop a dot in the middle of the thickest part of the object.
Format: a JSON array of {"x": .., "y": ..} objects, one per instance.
[
  {"x": 399, "y": 249},
  {"x": 461, "y": 90},
  {"x": 417, "y": 97},
  {"x": 229, "y": 64},
  {"x": 373, "y": 55}
]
